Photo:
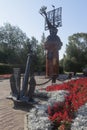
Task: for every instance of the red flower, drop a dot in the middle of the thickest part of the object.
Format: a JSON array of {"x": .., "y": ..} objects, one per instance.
[{"x": 64, "y": 112}]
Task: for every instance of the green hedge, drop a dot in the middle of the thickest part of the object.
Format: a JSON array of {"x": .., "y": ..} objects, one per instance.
[
  {"x": 61, "y": 70},
  {"x": 5, "y": 69},
  {"x": 8, "y": 69}
]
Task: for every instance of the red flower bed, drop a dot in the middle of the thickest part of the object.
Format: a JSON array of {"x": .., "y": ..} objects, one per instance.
[{"x": 63, "y": 113}]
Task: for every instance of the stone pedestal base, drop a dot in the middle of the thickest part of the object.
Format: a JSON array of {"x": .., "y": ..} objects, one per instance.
[
  {"x": 52, "y": 67},
  {"x": 52, "y": 59}
]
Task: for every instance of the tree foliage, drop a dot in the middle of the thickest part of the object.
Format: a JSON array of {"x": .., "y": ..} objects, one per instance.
[
  {"x": 15, "y": 46},
  {"x": 75, "y": 58},
  {"x": 12, "y": 41},
  {"x": 41, "y": 54}
]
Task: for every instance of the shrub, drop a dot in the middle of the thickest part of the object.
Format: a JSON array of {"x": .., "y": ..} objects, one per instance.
[
  {"x": 61, "y": 70},
  {"x": 8, "y": 69},
  {"x": 5, "y": 68}
]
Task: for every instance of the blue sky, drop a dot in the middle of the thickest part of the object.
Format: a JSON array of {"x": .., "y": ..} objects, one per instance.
[{"x": 25, "y": 15}]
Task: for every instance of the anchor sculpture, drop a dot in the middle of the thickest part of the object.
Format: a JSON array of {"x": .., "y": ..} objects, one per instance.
[
  {"x": 24, "y": 93},
  {"x": 21, "y": 93}
]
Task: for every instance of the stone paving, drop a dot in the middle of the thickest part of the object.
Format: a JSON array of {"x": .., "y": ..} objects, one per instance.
[{"x": 10, "y": 118}]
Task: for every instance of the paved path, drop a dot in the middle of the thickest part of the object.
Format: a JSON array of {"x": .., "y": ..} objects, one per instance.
[{"x": 10, "y": 118}]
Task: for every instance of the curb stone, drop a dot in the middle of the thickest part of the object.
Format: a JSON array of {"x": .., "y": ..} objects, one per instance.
[{"x": 25, "y": 122}]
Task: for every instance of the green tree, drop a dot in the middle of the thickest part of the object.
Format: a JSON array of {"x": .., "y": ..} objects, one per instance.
[
  {"x": 15, "y": 46},
  {"x": 41, "y": 56},
  {"x": 12, "y": 41},
  {"x": 76, "y": 52}
]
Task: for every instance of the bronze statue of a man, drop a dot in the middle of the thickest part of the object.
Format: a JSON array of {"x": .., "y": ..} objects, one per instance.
[{"x": 52, "y": 45}]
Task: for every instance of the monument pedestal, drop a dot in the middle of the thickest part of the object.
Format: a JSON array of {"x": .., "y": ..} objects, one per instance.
[{"x": 52, "y": 58}]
